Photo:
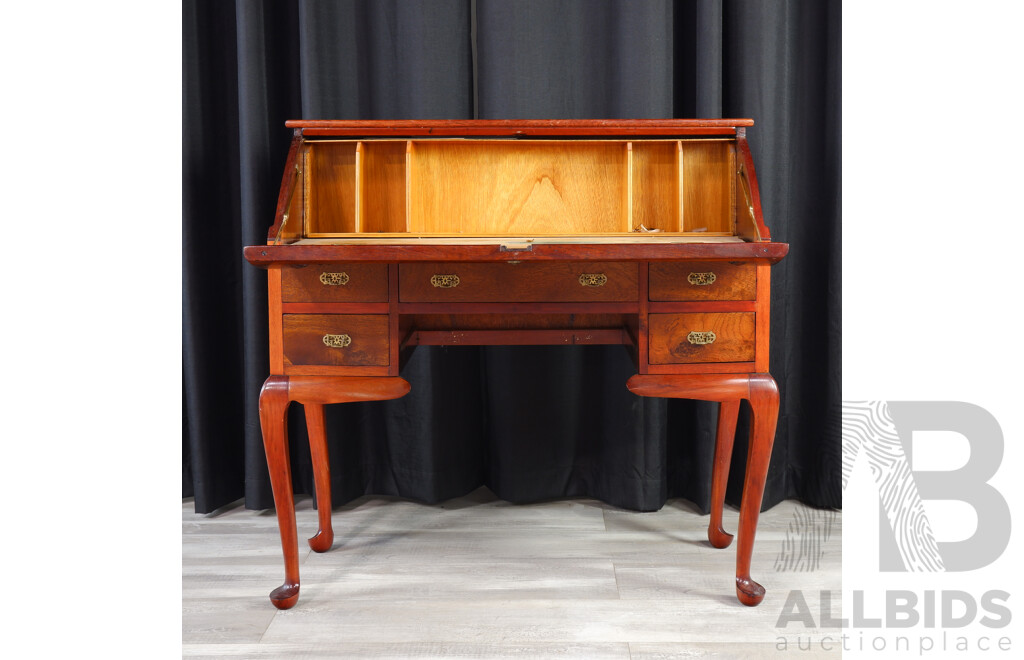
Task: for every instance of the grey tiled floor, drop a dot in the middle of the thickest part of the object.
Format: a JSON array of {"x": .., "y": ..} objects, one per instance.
[{"x": 477, "y": 577}]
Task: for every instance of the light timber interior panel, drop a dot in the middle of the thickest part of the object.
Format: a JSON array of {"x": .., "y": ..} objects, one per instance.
[
  {"x": 655, "y": 186},
  {"x": 331, "y": 172},
  {"x": 708, "y": 175},
  {"x": 383, "y": 186},
  {"x": 517, "y": 187}
]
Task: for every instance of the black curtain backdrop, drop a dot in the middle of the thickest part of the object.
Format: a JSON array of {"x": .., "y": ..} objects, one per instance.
[{"x": 531, "y": 423}]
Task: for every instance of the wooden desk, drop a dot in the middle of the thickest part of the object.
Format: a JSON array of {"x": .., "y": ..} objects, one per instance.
[{"x": 642, "y": 233}]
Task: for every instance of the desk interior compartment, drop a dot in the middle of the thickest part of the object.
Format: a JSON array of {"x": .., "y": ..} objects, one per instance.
[{"x": 511, "y": 187}]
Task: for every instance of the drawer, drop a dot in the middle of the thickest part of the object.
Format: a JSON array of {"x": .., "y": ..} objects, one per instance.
[
  {"x": 522, "y": 282},
  {"x": 701, "y": 337},
  {"x": 335, "y": 283},
  {"x": 336, "y": 339},
  {"x": 702, "y": 280}
]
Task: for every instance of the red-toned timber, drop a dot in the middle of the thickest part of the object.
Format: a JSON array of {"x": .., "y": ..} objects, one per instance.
[
  {"x": 316, "y": 426},
  {"x": 326, "y": 370},
  {"x": 762, "y": 333},
  {"x": 518, "y": 337},
  {"x": 763, "y": 394},
  {"x": 764, "y": 407},
  {"x": 519, "y": 308},
  {"x": 518, "y": 127},
  {"x": 394, "y": 323},
  {"x": 709, "y": 306},
  {"x": 702, "y": 368},
  {"x": 268, "y": 255},
  {"x": 363, "y": 283},
  {"x": 548, "y": 283},
  {"x": 356, "y": 294},
  {"x": 276, "y": 332},
  {"x": 670, "y": 281},
  {"x": 747, "y": 162},
  {"x": 728, "y": 412},
  {"x": 274, "y": 402},
  {"x": 643, "y": 331},
  {"x": 287, "y": 183},
  {"x": 278, "y": 392},
  {"x": 335, "y": 308}
]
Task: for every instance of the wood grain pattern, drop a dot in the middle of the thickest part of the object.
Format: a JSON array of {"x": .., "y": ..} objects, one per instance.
[
  {"x": 412, "y": 251},
  {"x": 669, "y": 345},
  {"x": 275, "y": 332},
  {"x": 518, "y": 337},
  {"x": 518, "y": 321},
  {"x": 702, "y": 368},
  {"x": 519, "y": 221},
  {"x": 396, "y": 333},
  {"x": 316, "y": 426},
  {"x": 708, "y": 191},
  {"x": 501, "y": 187},
  {"x": 764, "y": 304},
  {"x": 277, "y": 393},
  {"x": 505, "y": 308},
  {"x": 655, "y": 185},
  {"x": 703, "y": 387},
  {"x": 303, "y": 339},
  {"x": 760, "y": 232},
  {"x": 728, "y": 413},
  {"x": 357, "y": 308},
  {"x": 733, "y": 281},
  {"x": 519, "y": 127},
  {"x": 366, "y": 283},
  {"x": 332, "y": 185},
  {"x": 641, "y": 324},
  {"x": 383, "y": 186},
  {"x": 274, "y": 423},
  {"x": 764, "y": 414},
  {"x": 289, "y": 183},
  {"x": 328, "y": 370},
  {"x": 701, "y": 306},
  {"x": 552, "y": 282}
]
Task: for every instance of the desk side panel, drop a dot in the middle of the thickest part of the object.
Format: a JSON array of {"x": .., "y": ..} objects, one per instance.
[{"x": 276, "y": 332}]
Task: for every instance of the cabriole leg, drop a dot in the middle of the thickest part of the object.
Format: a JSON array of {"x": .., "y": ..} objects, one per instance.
[
  {"x": 764, "y": 404},
  {"x": 274, "y": 422},
  {"x": 316, "y": 426},
  {"x": 728, "y": 412}
]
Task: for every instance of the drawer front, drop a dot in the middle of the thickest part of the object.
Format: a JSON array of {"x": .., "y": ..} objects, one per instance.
[
  {"x": 523, "y": 282},
  {"x": 354, "y": 340},
  {"x": 335, "y": 283},
  {"x": 705, "y": 337},
  {"x": 702, "y": 280}
]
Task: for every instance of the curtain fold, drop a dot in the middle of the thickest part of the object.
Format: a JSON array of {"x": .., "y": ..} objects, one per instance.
[{"x": 531, "y": 423}]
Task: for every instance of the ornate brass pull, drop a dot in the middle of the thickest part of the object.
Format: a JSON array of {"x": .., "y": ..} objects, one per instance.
[
  {"x": 593, "y": 279},
  {"x": 701, "y": 338},
  {"x": 701, "y": 279},
  {"x": 445, "y": 281},
  {"x": 337, "y": 341},
  {"x": 334, "y": 279}
]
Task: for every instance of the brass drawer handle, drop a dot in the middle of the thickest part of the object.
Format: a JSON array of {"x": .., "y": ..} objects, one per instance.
[
  {"x": 445, "y": 281},
  {"x": 334, "y": 279},
  {"x": 593, "y": 279},
  {"x": 701, "y": 279},
  {"x": 701, "y": 338},
  {"x": 337, "y": 341}
]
